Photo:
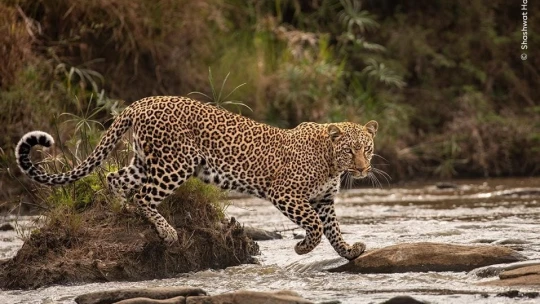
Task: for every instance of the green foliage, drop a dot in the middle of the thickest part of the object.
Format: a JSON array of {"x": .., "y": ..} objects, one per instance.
[
  {"x": 217, "y": 99},
  {"x": 353, "y": 17},
  {"x": 380, "y": 72},
  {"x": 195, "y": 190},
  {"x": 76, "y": 197}
]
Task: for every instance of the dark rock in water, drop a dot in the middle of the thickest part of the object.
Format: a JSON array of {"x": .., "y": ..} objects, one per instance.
[
  {"x": 446, "y": 185},
  {"x": 250, "y": 297},
  {"x": 482, "y": 241},
  {"x": 157, "y": 293},
  {"x": 510, "y": 242},
  {"x": 403, "y": 300},
  {"x": 6, "y": 227},
  {"x": 518, "y": 294},
  {"x": 298, "y": 236},
  {"x": 261, "y": 235},
  {"x": 524, "y": 276},
  {"x": 423, "y": 257}
]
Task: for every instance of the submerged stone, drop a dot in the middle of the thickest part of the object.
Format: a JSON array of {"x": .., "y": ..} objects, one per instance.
[
  {"x": 403, "y": 300},
  {"x": 188, "y": 295},
  {"x": 250, "y": 297},
  {"x": 424, "y": 256},
  {"x": 495, "y": 270},
  {"x": 524, "y": 276},
  {"x": 261, "y": 234},
  {"x": 156, "y": 293},
  {"x": 518, "y": 294},
  {"x": 6, "y": 227},
  {"x": 519, "y": 272}
]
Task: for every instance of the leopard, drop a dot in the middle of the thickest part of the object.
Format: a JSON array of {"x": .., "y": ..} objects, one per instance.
[{"x": 174, "y": 138}]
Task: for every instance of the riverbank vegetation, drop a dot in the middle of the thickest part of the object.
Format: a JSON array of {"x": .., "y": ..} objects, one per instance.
[{"x": 444, "y": 79}]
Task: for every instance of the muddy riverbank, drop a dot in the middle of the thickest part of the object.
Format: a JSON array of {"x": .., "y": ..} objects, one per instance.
[{"x": 98, "y": 244}]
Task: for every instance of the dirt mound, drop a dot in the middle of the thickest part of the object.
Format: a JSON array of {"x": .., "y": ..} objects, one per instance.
[{"x": 102, "y": 244}]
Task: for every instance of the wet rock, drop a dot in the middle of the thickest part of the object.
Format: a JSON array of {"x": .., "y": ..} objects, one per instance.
[
  {"x": 6, "y": 227},
  {"x": 446, "y": 185},
  {"x": 250, "y": 297},
  {"x": 403, "y": 300},
  {"x": 175, "y": 300},
  {"x": 424, "y": 256},
  {"x": 523, "y": 271},
  {"x": 518, "y": 294},
  {"x": 156, "y": 293},
  {"x": 529, "y": 280},
  {"x": 479, "y": 241},
  {"x": 187, "y": 295},
  {"x": 495, "y": 270},
  {"x": 524, "y": 276},
  {"x": 510, "y": 242},
  {"x": 298, "y": 236},
  {"x": 261, "y": 235}
]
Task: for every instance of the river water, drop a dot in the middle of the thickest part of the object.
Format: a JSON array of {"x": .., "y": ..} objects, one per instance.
[{"x": 479, "y": 211}]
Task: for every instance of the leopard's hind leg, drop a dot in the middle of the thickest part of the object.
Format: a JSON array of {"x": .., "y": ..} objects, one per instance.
[
  {"x": 166, "y": 172},
  {"x": 128, "y": 179}
]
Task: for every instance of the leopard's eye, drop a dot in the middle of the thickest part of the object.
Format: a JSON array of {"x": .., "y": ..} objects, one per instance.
[{"x": 347, "y": 150}]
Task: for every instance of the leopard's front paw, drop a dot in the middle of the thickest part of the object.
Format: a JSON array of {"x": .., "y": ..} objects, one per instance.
[
  {"x": 354, "y": 251},
  {"x": 303, "y": 247}
]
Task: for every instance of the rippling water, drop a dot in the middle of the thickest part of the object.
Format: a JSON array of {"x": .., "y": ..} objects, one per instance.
[{"x": 493, "y": 211}]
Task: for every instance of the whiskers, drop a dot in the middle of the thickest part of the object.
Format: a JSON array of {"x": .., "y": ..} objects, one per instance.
[
  {"x": 376, "y": 171},
  {"x": 377, "y": 155},
  {"x": 375, "y": 182},
  {"x": 348, "y": 180}
]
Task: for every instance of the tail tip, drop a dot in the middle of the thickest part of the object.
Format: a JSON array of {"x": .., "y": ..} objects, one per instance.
[
  {"x": 38, "y": 138},
  {"x": 26, "y": 143}
]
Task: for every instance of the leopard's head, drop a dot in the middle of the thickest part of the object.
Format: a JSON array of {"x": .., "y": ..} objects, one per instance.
[{"x": 353, "y": 147}]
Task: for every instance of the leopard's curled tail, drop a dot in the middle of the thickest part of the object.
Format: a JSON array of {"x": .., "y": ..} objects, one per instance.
[{"x": 107, "y": 143}]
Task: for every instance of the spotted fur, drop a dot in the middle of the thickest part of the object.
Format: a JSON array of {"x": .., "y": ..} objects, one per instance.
[{"x": 298, "y": 170}]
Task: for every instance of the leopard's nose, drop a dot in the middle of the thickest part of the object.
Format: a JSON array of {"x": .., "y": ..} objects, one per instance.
[{"x": 365, "y": 169}]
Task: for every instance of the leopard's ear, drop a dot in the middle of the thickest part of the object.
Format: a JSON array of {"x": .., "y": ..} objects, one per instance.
[
  {"x": 334, "y": 132},
  {"x": 372, "y": 127}
]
